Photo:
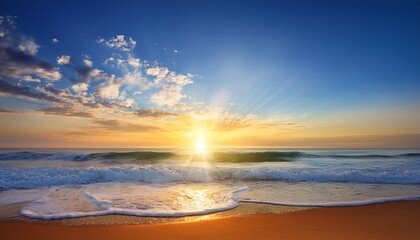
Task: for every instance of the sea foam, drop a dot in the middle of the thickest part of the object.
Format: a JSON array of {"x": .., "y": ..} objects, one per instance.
[
  {"x": 137, "y": 200},
  {"x": 47, "y": 177}
]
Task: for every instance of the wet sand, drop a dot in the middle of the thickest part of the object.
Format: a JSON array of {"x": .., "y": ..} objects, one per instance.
[{"x": 396, "y": 220}]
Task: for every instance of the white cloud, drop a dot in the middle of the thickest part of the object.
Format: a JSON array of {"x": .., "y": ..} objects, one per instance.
[
  {"x": 135, "y": 78},
  {"x": 179, "y": 79},
  {"x": 119, "y": 42},
  {"x": 29, "y": 78},
  {"x": 47, "y": 74},
  {"x": 109, "y": 60},
  {"x": 29, "y": 47},
  {"x": 124, "y": 63},
  {"x": 135, "y": 62},
  {"x": 88, "y": 63},
  {"x": 167, "y": 96},
  {"x": 55, "y": 40},
  {"x": 170, "y": 85},
  {"x": 110, "y": 90},
  {"x": 154, "y": 71},
  {"x": 64, "y": 59},
  {"x": 129, "y": 102},
  {"x": 80, "y": 87},
  {"x": 159, "y": 73}
]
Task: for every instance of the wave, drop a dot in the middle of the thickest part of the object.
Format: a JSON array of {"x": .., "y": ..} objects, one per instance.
[
  {"x": 144, "y": 201},
  {"x": 366, "y": 156},
  {"x": 19, "y": 178},
  {"x": 163, "y": 200},
  {"x": 146, "y": 155},
  {"x": 231, "y": 157},
  {"x": 335, "y": 203},
  {"x": 26, "y": 155},
  {"x": 151, "y": 155},
  {"x": 255, "y": 156}
]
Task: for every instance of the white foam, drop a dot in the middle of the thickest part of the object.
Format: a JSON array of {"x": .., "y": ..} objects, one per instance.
[
  {"x": 46, "y": 177},
  {"x": 137, "y": 200},
  {"x": 174, "y": 200},
  {"x": 327, "y": 194},
  {"x": 334, "y": 203}
]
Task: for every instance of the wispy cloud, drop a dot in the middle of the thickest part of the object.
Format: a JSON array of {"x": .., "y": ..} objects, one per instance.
[
  {"x": 2, "y": 110},
  {"x": 65, "y": 111},
  {"x": 15, "y": 64},
  {"x": 154, "y": 113},
  {"x": 9, "y": 89},
  {"x": 119, "y": 42},
  {"x": 121, "y": 126},
  {"x": 18, "y": 55},
  {"x": 29, "y": 47}
]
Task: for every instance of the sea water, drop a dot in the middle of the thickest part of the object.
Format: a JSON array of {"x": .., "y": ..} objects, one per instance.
[{"x": 67, "y": 183}]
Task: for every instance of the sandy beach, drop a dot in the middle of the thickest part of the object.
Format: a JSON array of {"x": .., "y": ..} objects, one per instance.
[{"x": 395, "y": 220}]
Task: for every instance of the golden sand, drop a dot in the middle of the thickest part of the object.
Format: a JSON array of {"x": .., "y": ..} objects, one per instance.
[{"x": 397, "y": 220}]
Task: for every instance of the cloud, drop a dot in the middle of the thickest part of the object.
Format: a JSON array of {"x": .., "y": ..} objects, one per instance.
[
  {"x": 29, "y": 78},
  {"x": 8, "y": 89},
  {"x": 134, "y": 62},
  {"x": 80, "y": 87},
  {"x": 154, "y": 113},
  {"x": 86, "y": 74},
  {"x": 63, "y": 60},
  {"x": 2, "y": 110},
  {"x": 119, "y": 42},
  {"x": 170, "y": 85},
  {"x": 110, "y": 90},
  {"x": 6, "y": 23},
  {"x": 29, "y": 47},
  {"x": 167, "y": 96},
  {"x": 88, "y": 63},
  {"x": 15, "y": 64},
  {"x": 159, "y": 73},
  {"x": 65, "y": 111},
  {"x": 17, "y": 55},
  {"x": 179, "y": 79},
  {"x": 135, "y": 78},
  {"x": 8, "y": 20},
  {"x": 55, "y": 40},
  {"x": 120, "y": 126},
  {"x": 94, "y": 92},
  {"x": 124, "y": 63}
]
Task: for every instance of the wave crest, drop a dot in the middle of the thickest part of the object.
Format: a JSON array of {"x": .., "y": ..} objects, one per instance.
[{"x": 46, "y": 177}]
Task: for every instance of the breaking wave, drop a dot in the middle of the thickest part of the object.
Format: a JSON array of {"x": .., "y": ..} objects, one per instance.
[
  {"x": 234, "y": 157},
  {"x": 46, "y": 177}
]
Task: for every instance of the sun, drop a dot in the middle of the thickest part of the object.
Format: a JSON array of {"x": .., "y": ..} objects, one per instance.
[{"x": 200, "y": 146}]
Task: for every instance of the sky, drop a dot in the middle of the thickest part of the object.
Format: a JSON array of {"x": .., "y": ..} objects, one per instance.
[{"x": 287, "y": 74}]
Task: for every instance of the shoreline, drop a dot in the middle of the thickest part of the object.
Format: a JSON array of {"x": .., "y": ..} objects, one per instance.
[
  {"x": 12, "y": 212},
  {"x": 391, "y": 220}
]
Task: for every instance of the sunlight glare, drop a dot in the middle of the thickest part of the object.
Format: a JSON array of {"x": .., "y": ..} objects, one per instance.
[{"x": 200, "y": 146}]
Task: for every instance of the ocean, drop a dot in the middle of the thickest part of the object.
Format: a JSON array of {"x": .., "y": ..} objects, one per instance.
[{"x": 66, "y": 183}]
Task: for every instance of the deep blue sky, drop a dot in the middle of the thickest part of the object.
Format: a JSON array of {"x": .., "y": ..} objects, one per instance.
[{"x": 283, "y": 57}]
